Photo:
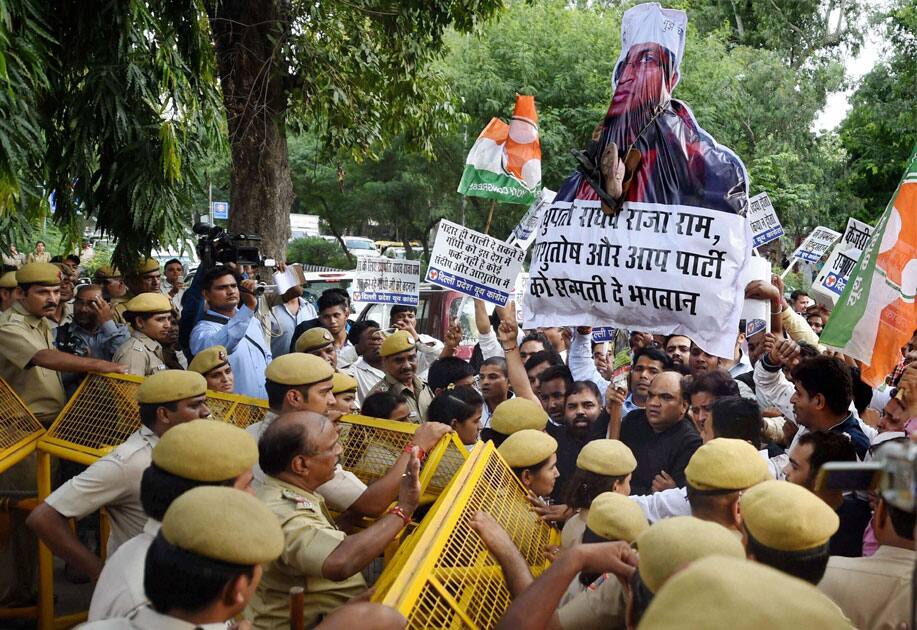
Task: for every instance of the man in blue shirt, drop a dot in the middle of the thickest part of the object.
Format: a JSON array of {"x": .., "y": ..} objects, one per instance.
[{"x": 226, "y": 323}]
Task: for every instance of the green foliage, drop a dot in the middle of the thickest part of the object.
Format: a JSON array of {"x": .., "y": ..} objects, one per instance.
[
  {"x": 881, "y": 128},
  {"x": 315, "y": 250}
]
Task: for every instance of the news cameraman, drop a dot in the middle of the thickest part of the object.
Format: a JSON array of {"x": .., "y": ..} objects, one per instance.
[{"x": 227, "y": 323}]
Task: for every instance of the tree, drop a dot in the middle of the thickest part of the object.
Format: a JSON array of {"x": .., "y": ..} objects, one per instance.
[
  {"x": 354, "y": 73},
  {"x": 880, "y": 130}
]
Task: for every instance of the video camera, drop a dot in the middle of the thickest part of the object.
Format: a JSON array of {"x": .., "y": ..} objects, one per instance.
[
  {"x": 216, "y": 245},
  {"x": 893, "y": 473}
]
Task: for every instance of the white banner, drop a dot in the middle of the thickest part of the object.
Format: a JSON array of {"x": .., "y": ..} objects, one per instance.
[
  {"x": 381, "y": 280},
  {"x": 816, "y": 244},
  {"x": 763, "y": 221},
  {"x": 524, "y": 233},
  {"x": 857, "y": 235},
  {"x": 756, "y": 313},
  {"x": 662, "y": 269},
  {"x": 475, "y": 264},
  {"x": 831, "y": 280}
]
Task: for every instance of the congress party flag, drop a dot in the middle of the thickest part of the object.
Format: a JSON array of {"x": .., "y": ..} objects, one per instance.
[
  {"x": 876, "y": 315},
  {"x": 505, "y": 162}
]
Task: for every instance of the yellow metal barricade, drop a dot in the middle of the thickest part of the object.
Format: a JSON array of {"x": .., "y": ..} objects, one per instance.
[
  {"x": 443, "y": 576},
  {"x": 19, "y": 435},
  {"x": 100, "y": 415},
  {"x": 372, "y": 445}
]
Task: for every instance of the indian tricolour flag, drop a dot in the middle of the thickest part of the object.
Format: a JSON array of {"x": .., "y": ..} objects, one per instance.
[
  {"x": 876, "y": 314},
  {"x": 505, "y": 162}
]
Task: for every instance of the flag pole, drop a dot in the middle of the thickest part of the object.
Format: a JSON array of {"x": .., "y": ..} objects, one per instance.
[{"x": 490, "y": 216}]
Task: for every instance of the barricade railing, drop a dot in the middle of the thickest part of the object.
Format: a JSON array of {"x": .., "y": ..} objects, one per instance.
[
  {"x": 20, "y": 431},
  {"x": 443, "y": 575},
  {"x": 100, "y": 415}
]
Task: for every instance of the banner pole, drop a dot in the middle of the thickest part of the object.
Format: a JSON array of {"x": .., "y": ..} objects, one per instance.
[
  {"x": 490, "y": 216},
  {"x": 788, "y": 269}
]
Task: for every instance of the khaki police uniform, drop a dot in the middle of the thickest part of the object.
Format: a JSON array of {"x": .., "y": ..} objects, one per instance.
[
  {"x": 873, "y": 591},
  {"x": 339, "y": 493},
  {"x": 600, "y": 606},
  {"x": 142, "y": 355},
  {"x": 22, "y": 335},
  {"x": 120, "y": 587},
  {"x": 145, "y": 618},
  {"x": 112, "y": 482},
  {"x": 419, "y": 398},
  {"x": 310, "y": 536},
  {"x": 118, "y": 306}
]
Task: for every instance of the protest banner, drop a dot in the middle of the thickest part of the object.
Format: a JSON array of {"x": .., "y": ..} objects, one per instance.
[
  {"x": 381, "y": 280},
  {"x": 857, "y": 235},
  {"x": 505, "y": 162},
  {"x": 519, "y": 289},
  {"x": 523, "y": 234},
  {"x": 763, "y": 221},
  {"x": 876, "y": 315},
  {"x": 661, "y": 249},
  {"x": 756, "y": 313},
  {"x": 816, "y": 245},
  {"x": 832, "y": 278},
  {"x": 475, "y": 264},
  {"x": 601, "y": 334}
]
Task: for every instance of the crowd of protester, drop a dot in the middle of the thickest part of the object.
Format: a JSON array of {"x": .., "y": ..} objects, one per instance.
[{"x": 671, "y": 458}]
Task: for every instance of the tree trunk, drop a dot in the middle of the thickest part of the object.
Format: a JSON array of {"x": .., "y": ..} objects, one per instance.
[{"x": 248, "y": 37}]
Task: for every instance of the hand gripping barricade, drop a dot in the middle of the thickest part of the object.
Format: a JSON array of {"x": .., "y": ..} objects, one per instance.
[
  {"x": 99, "y": 416},
  {"x": 19, "y": 435},
  {"x": 443, "y": 576}
]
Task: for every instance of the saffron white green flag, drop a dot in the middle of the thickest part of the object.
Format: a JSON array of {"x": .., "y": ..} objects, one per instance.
[
  {"x": 876, "y": 314},
  {"x": 505, "y": 162}
]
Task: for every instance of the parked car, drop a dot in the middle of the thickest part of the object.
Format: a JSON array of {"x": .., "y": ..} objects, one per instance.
[{"x": 436, "y": 308}]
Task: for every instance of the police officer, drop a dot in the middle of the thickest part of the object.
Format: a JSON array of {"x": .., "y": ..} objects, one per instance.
[
  {"x": 213, "y": 364},
  {"x": 399, "y": 361},
  {"x": 166, "y": 399},
  {"x": 113, "y": 289},
  {"x": 299, "y": 452},
  {"x": 31, "y": 366},
  {"x": 150, "y": 316},
  {"x": 344, "y": 388},
  {"x": 203, "y": 565},
  {"x": 196, "y": 453},
  {"x": 8, "y": 293},
  {"x": 320, "y": 342}
]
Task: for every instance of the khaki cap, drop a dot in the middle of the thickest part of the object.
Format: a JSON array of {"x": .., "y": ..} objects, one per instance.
[
  {"x": 170, "y": 386},
  {"x": 399, "y": 341},
  {"x": 527, "y": 448},
  {"x": 670, "y": 544},
  {"x": 8, "y": 280},
  {"x": 39, "y": 273},
  {"x": 107, "y": 272},
  {"x": 341, "y": 383},
  {"x": 209, "y": 359},
  {"x": 149, "y": 303},
  {"x": 732, "y": 594},
  {"x": 313, "y": 339},
  {"x": 606, "y": 457},
  {"x": 225, "y": 524},
  {"x": 206, "y": 450},
  {"x": 614, "y": 516},
  {"x": 726, "y": 464},
  {"x": 516, "y": 414},
  {"x": 297, "y": 368},
  {"x": 784, "y": 516},
  {"x": 147, "y": 265}
]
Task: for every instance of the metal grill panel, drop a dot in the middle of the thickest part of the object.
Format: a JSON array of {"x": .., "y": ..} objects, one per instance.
[
  {"x": 18, "y": 427},
  {"x": 443, "y": 576}
]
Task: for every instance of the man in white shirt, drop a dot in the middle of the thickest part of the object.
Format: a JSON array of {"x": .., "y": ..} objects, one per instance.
[{"x": 366, "y": 338}]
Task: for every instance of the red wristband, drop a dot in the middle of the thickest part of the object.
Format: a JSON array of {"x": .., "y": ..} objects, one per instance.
[
  {"x": 421, "y": 454},
  {"x": 397, "y": 511}
]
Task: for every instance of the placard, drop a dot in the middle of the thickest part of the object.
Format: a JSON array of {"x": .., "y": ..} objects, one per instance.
[
  {"x": 857, "y": 235},
  {"x": 816, "y": 245},
  {"x": 475, "y": 264},
  {"x": 601, "y": 334},
  {"x": 381, "y": 280},
  {"x": 523, "y": 234},
  {"x": 763, "y": 221},
  {"x": 756, "y": 313},
  {"x": 831, "y": 280}
]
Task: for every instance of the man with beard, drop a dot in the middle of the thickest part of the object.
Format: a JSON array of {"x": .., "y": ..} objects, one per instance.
[
  {"x": 580, "y": 411},
  {"x": 399, "y": 361},
  {"x": 678, "y": 347},
  {"x": 661, "y": 436}
]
